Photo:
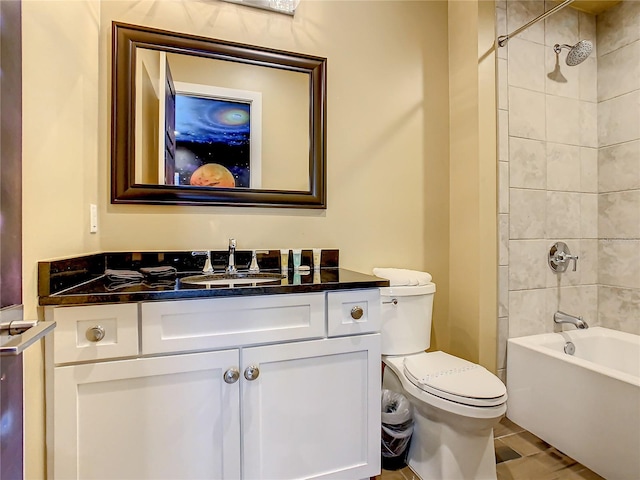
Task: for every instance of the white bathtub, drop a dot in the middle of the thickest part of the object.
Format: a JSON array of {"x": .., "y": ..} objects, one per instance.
[{"x": 586, "y": 405}]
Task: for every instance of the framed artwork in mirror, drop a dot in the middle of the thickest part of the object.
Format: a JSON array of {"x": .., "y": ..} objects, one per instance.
[{"x": 218, "y": 134}]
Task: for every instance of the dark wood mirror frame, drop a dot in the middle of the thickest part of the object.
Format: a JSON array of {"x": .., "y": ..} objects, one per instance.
[{"x": 125, "y": 39}]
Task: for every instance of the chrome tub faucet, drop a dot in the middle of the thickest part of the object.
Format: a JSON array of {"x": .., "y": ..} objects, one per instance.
[
  {"x": 231, "y": 266},
  {"x": 561, "y": 317}
]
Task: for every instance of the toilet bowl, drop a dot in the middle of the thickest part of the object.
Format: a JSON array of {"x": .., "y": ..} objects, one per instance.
[{"x": 456, "y": 403}]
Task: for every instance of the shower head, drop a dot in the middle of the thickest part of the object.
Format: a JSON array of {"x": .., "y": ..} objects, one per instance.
[{"x": 578, "y": 53}]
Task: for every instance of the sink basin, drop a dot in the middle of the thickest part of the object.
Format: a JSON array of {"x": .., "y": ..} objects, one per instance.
[{"x": 231, "y": 279}]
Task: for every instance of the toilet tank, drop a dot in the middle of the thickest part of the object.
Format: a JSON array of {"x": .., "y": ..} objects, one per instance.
[{"x": 406, "y": 318}]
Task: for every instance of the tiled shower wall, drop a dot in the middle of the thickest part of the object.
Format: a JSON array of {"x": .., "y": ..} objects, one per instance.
[
  {"x": 569, "y": 169},
  {"x": 618, "y": 32}
]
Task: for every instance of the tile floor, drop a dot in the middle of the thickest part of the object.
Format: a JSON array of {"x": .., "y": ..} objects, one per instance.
[{"x": 520, "y": 455}]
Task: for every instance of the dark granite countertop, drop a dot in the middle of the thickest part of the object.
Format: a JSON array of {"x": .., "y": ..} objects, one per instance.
[{"x": 81, "y": 280}]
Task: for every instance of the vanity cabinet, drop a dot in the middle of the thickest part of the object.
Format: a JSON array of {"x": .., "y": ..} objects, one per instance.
[
  {"x": 264, "y": 387},
  {"x": 147, "y": 418}
]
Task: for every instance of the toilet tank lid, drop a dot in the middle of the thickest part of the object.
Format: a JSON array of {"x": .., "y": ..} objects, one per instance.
[{"x": 408, "y": 290}]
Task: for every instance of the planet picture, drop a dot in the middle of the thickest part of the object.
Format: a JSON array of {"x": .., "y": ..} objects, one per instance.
[
  {"x": 212, "y": 175},
  {"x": 212, "y": 142}
]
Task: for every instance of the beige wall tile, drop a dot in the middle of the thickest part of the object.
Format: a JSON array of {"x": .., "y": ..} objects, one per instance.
[
  {"x": 503, "y": 236},
  {"x": 503, "y": 135},
  {"x": 503, "y": 335},
  {"x": 619, "y": 71},
  {"x": 528, "y": 213},
  {"x": 527, "y": 162},
  {"x": 619, "y": 214},
  {"x": 563, "y": 120},
  {"x": 619, "y": 119},
  {"x": 530, "y": 123},
  {"x": 588, "y": 78},
  {"x": 589, "y": 215},
  {"x": 588, "y": 261},
  {"x": 563, "y": 215},
  {"x": 503, "y": 291},
  {"x": 619, "y": 263},
  {"x": 528, "y": 313},
  {"x": 588, "y": 126},
  {"x": 503, "y": 187},
  {"x": 503, "y": 84},
  {"x": 562, "y": 27},
  {"x": 522, "y": 12},
  {"x": 619, "y": 167},
  {"x": 618, "y": 308},
  {"x": 528, "y": 264},
  {"x": 588, "y": 169},
  {"x": 526, "y": 65},
  {"x": 618, "y": 26},
  {"x": 563, "y": 167}
]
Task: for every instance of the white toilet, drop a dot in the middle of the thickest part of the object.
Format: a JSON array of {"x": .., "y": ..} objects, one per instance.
[{"x": 456, "y": 403}]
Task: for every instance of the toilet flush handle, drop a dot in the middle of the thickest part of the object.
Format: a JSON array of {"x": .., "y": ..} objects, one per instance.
[{"x": 393, "y": 301}]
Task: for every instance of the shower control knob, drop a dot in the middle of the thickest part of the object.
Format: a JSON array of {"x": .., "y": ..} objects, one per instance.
[
  {"x": 232, "y": 375},
  {"x": 251, "y": 372},
  {"x": 357, "y": 312},
  {"x": 560, "y": 256},
  {"x": 95, "y": 334}
]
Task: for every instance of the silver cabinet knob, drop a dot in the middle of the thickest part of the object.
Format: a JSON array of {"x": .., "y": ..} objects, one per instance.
[
  {"x": 251, "y": 372},
  {"x": 232, "y": 375},
  {"x": 357, "y": 312},
  {"x": 95, "y": 334}
]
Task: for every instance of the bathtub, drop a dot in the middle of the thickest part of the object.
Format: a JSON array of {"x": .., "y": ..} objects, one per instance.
[{"x": 587, "y": 405}]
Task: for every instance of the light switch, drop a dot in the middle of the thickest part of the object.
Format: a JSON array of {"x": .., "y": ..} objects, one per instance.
[{"x": 93, "y": 218}]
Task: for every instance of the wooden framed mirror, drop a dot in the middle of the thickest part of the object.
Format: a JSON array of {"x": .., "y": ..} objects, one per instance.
[{"x": 199, "y": 121}]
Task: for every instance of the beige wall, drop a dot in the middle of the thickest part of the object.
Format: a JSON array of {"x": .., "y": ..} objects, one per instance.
[
  {"x": 471, "y": 329},
  {"x": 387, "y": 141}
]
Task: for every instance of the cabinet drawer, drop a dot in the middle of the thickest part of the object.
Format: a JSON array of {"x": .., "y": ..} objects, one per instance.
[
  {"x": 226, "y": 322},
  {"x": 78, "y": 331},
  {"x": 353, "y": 311}
]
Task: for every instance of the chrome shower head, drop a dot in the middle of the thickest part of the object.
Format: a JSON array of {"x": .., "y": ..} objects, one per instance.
[{"x": 578, "y": 53}]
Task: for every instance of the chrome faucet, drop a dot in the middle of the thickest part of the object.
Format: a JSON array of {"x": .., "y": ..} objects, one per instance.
[
  {"x": 561, "y": 317},
  {"x": 208, "y": 267},
  {"x": 231, "y": 266}
]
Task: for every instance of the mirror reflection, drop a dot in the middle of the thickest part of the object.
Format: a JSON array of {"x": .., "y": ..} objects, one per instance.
[
  {"x": 216, "y": 123},
  {"x": 203, "y": 121}
]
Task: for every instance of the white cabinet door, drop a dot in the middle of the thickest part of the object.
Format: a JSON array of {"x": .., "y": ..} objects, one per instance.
[
  {"x": 313, "y": 411},
  {"x": 150, "y": 418}
]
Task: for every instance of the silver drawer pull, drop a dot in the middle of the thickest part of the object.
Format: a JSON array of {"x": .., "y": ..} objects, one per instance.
[
  {"x": 232, "y": 375},
  {"x": 95, "y": 334},
  {"x": 393, "y": 301},
  {"x": 251, "y": 372},
  {"x": 357, "y": 312}
]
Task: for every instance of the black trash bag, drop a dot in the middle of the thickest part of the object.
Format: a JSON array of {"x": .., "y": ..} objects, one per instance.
[{"x": 397, "y": 428}]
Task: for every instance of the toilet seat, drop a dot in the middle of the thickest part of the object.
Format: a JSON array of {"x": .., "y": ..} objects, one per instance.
[{"x": 454, "y": 379}]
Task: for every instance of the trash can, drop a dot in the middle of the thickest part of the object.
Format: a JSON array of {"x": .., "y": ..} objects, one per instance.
[{"x": 397, "y": 428}]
